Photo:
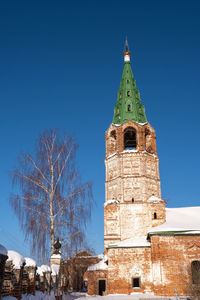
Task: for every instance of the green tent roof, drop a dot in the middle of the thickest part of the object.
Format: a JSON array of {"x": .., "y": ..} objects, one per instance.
[{"x": 129, "y": 105}]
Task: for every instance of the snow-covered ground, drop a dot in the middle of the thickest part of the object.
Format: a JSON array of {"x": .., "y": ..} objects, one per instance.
[{"x": 83, "y": 296}]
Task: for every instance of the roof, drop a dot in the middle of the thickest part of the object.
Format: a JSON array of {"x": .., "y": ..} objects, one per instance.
[
  {"x": 129, "y": 105},
  {"x": 132, "y": 243},
  {"x": 182, "y": 220}
]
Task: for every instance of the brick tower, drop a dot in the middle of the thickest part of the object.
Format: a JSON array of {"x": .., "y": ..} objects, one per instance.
[{"x": 133, "y": 198}]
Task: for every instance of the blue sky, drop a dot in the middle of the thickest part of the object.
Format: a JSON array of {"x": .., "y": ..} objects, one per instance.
[{"x": 60, "y": 67}]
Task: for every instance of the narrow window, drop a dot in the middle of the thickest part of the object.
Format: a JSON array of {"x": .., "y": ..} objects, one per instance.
[
  {"x": 120, "y": 95},
  {"x": 136, "y": 282},
  {"x": 155, "y": 216},
  {"x": 129, "y": 107},
  {"x": 118, "y": 110},
  {"x": 127, "y": 80},
  {"x": 195, "y": 267},
  {"x": 132, "y": 200},
  {"x": 130, "y": 140},
  {"x": 128, "y": 93}
]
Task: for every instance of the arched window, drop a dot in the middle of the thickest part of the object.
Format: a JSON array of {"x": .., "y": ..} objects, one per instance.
[
  {"x": 195, "y": 267},
  {"x": 130, "y": 140},
  {"x": 113, "y": 138},
  {"x": 155, "y": 215}
]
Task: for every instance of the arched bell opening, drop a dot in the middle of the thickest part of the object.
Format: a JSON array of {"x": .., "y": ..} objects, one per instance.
[{"x": 130, "y": 138}]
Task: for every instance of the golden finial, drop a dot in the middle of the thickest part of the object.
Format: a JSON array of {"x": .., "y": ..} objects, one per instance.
[{"x": 126, "y": 53}]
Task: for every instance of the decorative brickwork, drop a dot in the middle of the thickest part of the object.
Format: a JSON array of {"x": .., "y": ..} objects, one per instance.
[{"x": 132, "y": 177}]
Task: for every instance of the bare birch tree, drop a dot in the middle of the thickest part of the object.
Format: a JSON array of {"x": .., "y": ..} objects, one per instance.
[{"x": 51, "y": 200}]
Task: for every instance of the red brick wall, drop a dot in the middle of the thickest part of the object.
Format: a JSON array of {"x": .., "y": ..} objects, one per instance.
[
  {"x": 126, "y": 263},
  {"x": 93, "y": 277},
  {"x": 171, "y": 263}
]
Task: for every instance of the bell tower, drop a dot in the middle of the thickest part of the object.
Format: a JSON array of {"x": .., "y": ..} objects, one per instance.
[{"x": 133, "y": 197}]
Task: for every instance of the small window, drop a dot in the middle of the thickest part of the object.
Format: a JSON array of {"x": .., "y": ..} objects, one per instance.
[
  {"x": 132, "y": 200},
  {"x": 129, "y": 107},
  {"x": 128, "y": 93},
  {"x": 155, "y": 216},
  {"x": 120, "y": 95},
  {"x": 140, "y": 110},
  {"x": 118, "y": 110},
  {"x": 136, "y": 282},
  {"x": 128, "y": 81}
]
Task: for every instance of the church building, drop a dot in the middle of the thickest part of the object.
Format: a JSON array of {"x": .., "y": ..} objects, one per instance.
[{"x": 148, "y": 248}]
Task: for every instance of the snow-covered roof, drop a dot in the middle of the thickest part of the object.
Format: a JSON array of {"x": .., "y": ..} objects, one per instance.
[
  {"x": 3, "y": 250},
  {"x": 154, "y": 199},
  {"x": 43, "y": 269},
  {"x": 113, "y": 201},
  {"x": 30, "y": 262},
  {"x": 16, "y": 258},
  {"x": 131, "y": 243},
  {"x": 100, "y": 265},
  {"x": 55, "y": 269},
  {"x": 184, "y": 220}
]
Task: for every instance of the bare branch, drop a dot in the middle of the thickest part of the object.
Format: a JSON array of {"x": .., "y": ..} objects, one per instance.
[{"x": 52, "y": 201}]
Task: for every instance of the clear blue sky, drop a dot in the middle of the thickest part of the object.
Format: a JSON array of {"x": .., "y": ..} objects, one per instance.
[{"x": 60, "y": 67}]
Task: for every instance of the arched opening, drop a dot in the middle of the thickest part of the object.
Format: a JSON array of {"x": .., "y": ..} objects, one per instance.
[
  {"x": 130, "y": 139},
  {"x": 113, "y": 134},
  {"x": 155, "y": 216},
  {"x": 113, "y": 138},
  {"x": 195, "y": 268}
]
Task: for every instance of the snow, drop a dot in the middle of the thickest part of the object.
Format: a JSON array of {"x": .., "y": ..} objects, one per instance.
[
  {"x": 154, "y": 199},
  {"x": 180, "y": 219},
  {"x": 129, "y": 150},
  {"x": 113, "y": 201},
  {"x": 30, "y": 262},
  {"x": 3, "y": 250},
  {"x": 100, "y": 265},
  {"x": 56, "y": 256},
  {"x": 142, "y": 123},
  {"x": 39, "y": 271},
  {"x": 55, "y": 269},
  {"x": 38, "y": 296},
  {"x": 43, "y": 269},
  {"x": 132, "y": 242},
  {"x": 132, "y": 296},
  {"x": 82, "y": 296},
  {"x": 16, "y": 258}
]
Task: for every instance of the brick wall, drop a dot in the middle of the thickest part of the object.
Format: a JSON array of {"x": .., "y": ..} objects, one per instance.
[
  {"x": 93, "y": 277},
  {"x": 125, "y": 264},
  {"x": 171, "y": 263}
]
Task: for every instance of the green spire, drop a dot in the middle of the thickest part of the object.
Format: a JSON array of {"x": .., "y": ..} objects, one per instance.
[{"x": 129, "y": 105}]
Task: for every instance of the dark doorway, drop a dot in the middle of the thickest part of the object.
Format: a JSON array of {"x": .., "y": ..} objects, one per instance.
[{"x": 101, "y": 286}]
